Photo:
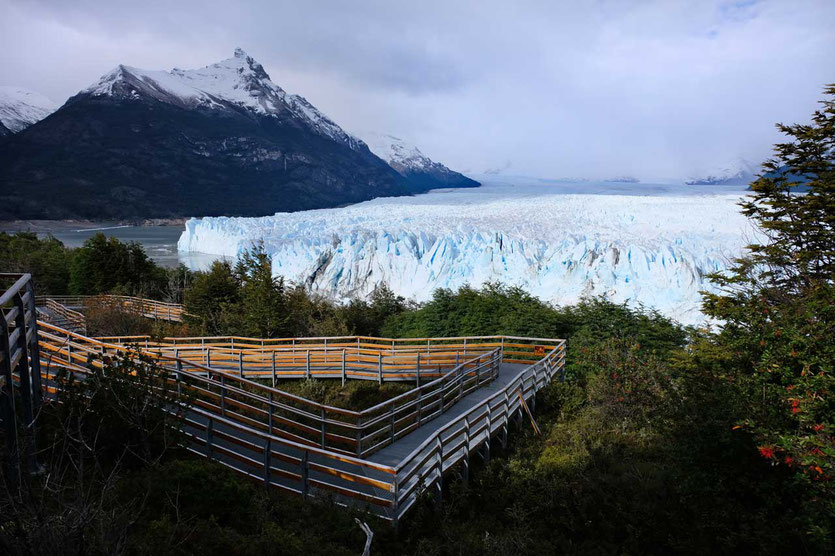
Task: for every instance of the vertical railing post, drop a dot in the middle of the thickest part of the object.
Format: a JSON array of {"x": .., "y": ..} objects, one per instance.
[
  {"x": 222, "y": 395},
  {"x": 179, "y": 373},
  {"x": 417, "y": 372},
  {"x": 322, "y": 414},
  {"x": 419, "y": 408},
  {"x": 391, "y": 423},
  {"x": 489, "y": 433},
  {"x": 465, "y": 472},
  {"x": 343, "y": 367},
  {"x": 439, "y": 448},
  {"x": 307, "y": 364},
  {"x": 35, "y": 352},
  {"x": 24, "y": 371},
  {"x": 270, "y": 413},
  {"x": 7, "y": 402},
  {"x": 241, "y": 363},
  {"x": 209, "y": 431},
  {"x": 267, "y": 460},
  {"x": 304, "y": 471},
  {"x": 273, "y": 364},
  {"x": 380, "y": 367}
]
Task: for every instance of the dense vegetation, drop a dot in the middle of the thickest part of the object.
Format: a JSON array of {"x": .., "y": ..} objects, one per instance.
[{"x": 660, "y": 440}]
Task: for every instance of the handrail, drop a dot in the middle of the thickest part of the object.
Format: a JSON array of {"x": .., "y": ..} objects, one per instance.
[
  {"x": 426, "y": 463},
  {"x": 370, "y": 429},
  {"x": 150, "y": 308},
  {"x": 64, "y": 316},
  {"x": 258, "y": 411},
  {"x": 292, "y": 443}
]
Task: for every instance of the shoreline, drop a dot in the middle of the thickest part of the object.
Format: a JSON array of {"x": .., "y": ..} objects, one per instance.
[{"x": 45, "y": 226}]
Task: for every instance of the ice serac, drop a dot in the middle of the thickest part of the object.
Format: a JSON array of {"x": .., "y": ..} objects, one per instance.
[
  {"x": 421, "y": 171},
  {"x": 20, "y": 108},
  {"x": 647, "y": 250}
]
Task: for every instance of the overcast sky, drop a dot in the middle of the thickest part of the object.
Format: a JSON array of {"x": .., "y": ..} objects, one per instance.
[{"x": 551, "y": 88}]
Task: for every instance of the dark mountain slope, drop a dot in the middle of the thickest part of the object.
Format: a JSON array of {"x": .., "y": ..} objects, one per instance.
[{"x": 143, "y": 144}]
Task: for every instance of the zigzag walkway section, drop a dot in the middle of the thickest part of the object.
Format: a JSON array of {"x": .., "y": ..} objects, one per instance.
[{"x": 467, "y": 390}]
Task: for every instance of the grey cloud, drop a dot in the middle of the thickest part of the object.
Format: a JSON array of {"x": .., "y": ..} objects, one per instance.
[{"x": 652, "y": 88}]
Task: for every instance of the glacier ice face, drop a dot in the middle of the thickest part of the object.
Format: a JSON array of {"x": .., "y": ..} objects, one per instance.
[{"x": 652, "y": 250}]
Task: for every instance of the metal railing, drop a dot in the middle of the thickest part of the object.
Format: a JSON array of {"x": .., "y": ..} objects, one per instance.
[
  {"x": 360, "y": 433},
  {"x": 19, "y": 367},
  {"x": 453, "y": 443},
  {"x": 62, "y": 316},
  {"x": 258, "y": 430},
  {"x": 284, "y": 440}
]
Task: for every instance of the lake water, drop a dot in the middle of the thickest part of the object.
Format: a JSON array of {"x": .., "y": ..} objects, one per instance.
[{"x": 160, "y": 242}]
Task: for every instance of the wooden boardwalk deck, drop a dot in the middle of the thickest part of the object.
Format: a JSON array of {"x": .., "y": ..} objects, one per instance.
[{"x": 396, "y": 453}]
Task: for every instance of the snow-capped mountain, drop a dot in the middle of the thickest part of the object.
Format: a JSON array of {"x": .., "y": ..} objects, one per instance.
[
  {"x": 735, "y": 172},
  {"x": 239, "y": 81},
  {"x": 413, "y": 164},
  {"x": 223, "y": 139},
  {"x": 649, "y": 249},
  {"x": 20, "y": 108}
]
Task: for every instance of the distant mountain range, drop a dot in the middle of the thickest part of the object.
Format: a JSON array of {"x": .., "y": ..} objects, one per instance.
[
  {"x": 221, "y": 140},
  {"x": 20, "y": 108},
  {"x": 413, "y": 164},
  {"x": 735, "y": 172}
]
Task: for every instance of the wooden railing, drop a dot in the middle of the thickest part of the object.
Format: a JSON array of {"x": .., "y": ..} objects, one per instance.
[
  {"x": 221, "y": 422},
  {"x": 261, "y": 431},
  {"x": 325, "y": 353},
  {"x": 359, "y": 433},
  {"x": 453, "y": 443},
  {"x": 149, "y": 308},
  {"x": 286, "y": 441}
]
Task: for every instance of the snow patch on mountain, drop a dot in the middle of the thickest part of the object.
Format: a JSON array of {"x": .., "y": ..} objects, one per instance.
[
  {"x": 398, "y": 153},
  {"x": 240, "y": 81},
  {"x": 20, "y": 108},
  {"x": 734, "y": 172},
  {"x": 641, "y": 249}
]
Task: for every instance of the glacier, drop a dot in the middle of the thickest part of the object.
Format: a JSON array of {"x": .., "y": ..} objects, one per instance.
[{"x": 650, "y": 245}]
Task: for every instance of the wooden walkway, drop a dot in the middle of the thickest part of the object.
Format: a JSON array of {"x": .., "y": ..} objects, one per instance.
[
  {"x": 396, "y": 453},
  {"x": 467, "y": 392}
]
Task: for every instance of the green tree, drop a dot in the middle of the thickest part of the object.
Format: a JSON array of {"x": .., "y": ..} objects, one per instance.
[
  {"x": 263, "y": 310},
  {"x": 778, "y": 306},
  {"x": 209, "y": 296},
  {"x": 106, "y": 265},
  {"x": 46, "y": 259}
]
